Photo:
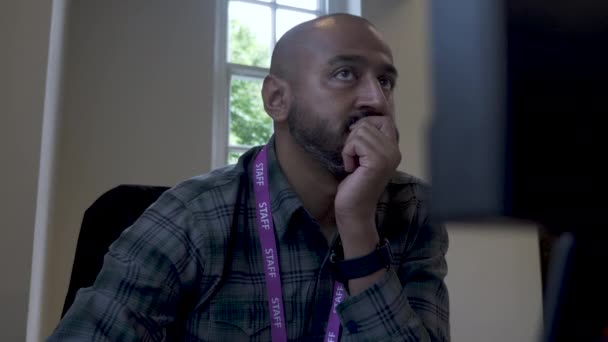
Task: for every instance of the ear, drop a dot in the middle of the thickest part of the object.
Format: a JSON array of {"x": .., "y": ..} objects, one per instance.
[{"x": 277, "y": 98}]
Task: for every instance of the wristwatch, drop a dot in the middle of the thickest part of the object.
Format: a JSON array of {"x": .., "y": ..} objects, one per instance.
[{"x": 345, "y": 270}]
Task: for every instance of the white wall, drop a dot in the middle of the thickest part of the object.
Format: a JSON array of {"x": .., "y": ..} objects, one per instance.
[
  {"x": 24, "y": 33},
  {"x": 403, "y": 25},
  {"x": 136, "y": 109},
  {"x": 493, "y": 270}
]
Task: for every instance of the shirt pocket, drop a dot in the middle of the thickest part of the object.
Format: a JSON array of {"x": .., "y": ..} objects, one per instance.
[{"x": 240, "y": 319}]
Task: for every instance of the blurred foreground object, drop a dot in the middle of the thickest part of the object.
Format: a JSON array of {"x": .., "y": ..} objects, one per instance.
[{"x": 519, "y": 90}]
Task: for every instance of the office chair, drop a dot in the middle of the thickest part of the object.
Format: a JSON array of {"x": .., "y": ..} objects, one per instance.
[{"x": 102, "y": 224}]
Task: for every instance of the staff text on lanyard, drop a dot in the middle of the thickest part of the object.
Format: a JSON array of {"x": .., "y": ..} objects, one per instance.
[{"x": 271, "y": 260}]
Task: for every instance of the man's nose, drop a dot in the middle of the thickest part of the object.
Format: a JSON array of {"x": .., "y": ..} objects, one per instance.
[{"x": 371, "y": 96}]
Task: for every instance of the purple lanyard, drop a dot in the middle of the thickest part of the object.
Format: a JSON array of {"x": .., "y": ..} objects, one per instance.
[{"x": 271, "y": 260}]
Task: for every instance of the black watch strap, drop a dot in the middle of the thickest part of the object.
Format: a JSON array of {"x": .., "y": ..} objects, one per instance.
[{"x": 365, "y": 265}]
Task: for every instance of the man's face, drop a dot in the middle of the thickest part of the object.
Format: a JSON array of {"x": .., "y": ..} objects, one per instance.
[{"x": 346, "y": 74}]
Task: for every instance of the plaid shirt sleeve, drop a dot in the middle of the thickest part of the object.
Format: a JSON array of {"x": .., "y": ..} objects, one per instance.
[
  {"x": 136, "y": 294},
  {"x": 410, "y": 303}
]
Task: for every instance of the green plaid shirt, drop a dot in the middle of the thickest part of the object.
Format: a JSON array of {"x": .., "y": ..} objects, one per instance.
[{"x": 190, "y": 270}]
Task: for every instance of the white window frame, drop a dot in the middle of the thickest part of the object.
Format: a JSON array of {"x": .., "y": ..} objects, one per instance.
[{"x": 223, "y": 70}]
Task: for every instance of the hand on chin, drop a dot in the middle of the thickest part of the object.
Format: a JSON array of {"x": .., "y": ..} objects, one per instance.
[{"x": 371, "y": 155}]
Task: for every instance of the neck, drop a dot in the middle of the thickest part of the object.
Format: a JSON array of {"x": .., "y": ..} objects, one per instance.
[{"x": 313, "y": 183}]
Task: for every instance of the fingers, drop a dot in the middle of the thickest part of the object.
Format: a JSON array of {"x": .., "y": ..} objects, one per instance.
[
  {"x": 370, "y": 139},
  {"x": 349, "y": 157},
  {"x": 384, "y": 124},
  {"x": 369, "y": 147},
  {"x": 358, "y": 148}
]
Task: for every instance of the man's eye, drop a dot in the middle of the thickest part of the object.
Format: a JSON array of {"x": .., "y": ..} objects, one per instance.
[
  {"x": 386, "y": 83},
  {"x": 345, "y": 75}
]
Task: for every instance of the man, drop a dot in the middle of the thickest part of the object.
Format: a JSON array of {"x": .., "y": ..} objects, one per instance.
[{"x": 313, "y": 237}]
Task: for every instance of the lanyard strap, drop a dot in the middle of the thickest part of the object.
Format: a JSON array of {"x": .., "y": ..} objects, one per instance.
[
  {"x": 333, "y": 322},
  {"x": 271, "y": 259}
]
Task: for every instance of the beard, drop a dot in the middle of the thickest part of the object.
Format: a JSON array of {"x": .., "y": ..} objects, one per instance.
[{"x": 316, "y": 138}]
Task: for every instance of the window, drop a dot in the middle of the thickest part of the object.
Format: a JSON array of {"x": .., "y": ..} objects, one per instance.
[{"x": 246, "y": 32}]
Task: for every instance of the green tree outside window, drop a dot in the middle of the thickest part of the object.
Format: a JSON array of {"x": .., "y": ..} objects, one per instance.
[{"x": 250, "y": 125}]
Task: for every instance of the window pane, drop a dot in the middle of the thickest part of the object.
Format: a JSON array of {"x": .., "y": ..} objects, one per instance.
[
  {"x": 307, "y": 4},
  {"x": 249, "y": 123},
  {"x": 249, "y": 34},
  {"x": 287, "y": 19},
  {"x": 233, "y": 157}
]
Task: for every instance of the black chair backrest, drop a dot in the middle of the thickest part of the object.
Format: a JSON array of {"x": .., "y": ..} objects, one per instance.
[{"x": 102, "y": 224}]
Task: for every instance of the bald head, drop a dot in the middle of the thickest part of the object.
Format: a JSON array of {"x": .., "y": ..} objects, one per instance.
[{"x": 292, "y": 50}]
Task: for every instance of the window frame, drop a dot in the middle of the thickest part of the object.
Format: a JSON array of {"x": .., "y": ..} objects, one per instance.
[{"x": 224, "y": 70}]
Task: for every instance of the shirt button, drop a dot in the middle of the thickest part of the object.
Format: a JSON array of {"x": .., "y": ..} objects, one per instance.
[{"x": 352, "y": 327}]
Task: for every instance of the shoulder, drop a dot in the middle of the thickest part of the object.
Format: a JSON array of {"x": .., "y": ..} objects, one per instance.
[
  {"x": 403, "y": 202},
  {"x": 207, "y": 191},
  {"x": 408, "y": 200},
  {"x": 404, "y": 187},
  {"x": 204, "y": 199},
  {"x": 216, "y": 189}
]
